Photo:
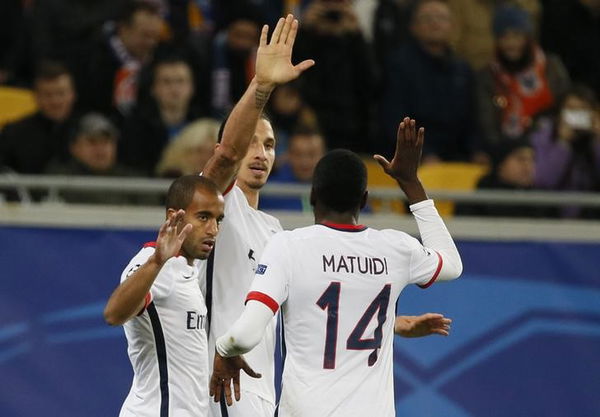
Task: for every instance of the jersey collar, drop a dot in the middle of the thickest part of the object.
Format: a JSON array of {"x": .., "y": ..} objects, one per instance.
[{"x": 345, "y": 227}]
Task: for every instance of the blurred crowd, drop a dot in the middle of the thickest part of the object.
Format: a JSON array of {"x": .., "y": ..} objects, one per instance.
[{"x": 139, "y": 87}]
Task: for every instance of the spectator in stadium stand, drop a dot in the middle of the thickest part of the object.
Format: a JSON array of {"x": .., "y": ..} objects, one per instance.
[
  {"x": 567, "y": 147},
  {"x": 340, "y": 88},
  {"x": 520, "y": 83},
  {"x": 390, "y": 27},
  {"x": 65, "y": 30},
  {"x": 472, "y": 35},
  {"x": 190, "y": 150},
  {"x": 156, "y": 122},
  {"x": 29, "y": 144},
  {"x": 287, "y": 111},
  {"x": 425, "y": 79},
  {"x": 306, "y": 147},
  {"x": 513, "y": 168},
  {"x": 571, "y": 29},
  {"x": 233, "y": 56},
  {"x": 116, "y": 63},
  {"x": 93, "y": 152}
]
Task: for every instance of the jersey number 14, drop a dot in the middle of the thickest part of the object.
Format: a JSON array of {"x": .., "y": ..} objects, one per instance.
[{"x": 330, "y": 301}]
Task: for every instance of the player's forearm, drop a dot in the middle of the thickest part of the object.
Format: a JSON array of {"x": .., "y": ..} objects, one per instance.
[
  {"x": 435, "y": 235},
  {"x": 247, "y": 331},
  {"x": 414, "y": 191},
  {"x": 237, "y": 134},
  {"x": 128, "y": 298}
]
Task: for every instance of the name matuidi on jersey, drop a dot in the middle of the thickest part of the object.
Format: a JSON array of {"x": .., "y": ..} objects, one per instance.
[{"x": 355, "y": 264}]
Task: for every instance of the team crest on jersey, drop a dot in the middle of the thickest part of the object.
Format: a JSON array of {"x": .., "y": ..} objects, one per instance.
[{"x": 261, "y": 269}]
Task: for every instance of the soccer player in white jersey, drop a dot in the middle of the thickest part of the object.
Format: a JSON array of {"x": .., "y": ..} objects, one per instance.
[
  {"x": 337, "y": 284},
  {"x": 162, "y": 309},
  {"x": 245, "y": 154},
  {"x": 242, "y": 162}
]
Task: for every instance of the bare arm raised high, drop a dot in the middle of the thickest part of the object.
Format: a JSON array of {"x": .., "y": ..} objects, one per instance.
[{"x": 273, "y": 67}]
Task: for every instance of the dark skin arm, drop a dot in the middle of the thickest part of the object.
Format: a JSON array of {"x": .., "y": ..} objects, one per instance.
[
  {"x": 404, "y": 165},
  {"x": 226, "y": 370}
]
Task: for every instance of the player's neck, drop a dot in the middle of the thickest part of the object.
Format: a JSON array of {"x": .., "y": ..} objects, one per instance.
[
  {"x": 323, "y": 216},
  {"x": 251, "y": 194}
]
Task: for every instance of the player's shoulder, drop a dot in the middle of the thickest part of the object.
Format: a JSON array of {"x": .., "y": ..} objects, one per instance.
[
  {"x": 393, "y": 235},
  {"x": 270, "y": 221},
  {"x": 139, "y": 259}
]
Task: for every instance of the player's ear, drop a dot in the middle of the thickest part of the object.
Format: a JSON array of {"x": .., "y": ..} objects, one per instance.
[
  {"x": 217, "y": 145},
  {"x": 363, "y": 201},
  {"x": 170, "y": 212}
]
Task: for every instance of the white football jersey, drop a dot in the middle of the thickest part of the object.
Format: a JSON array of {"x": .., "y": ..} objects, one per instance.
[
  {"x": 337, "y": 286},
  {"x": 167, "y": 343},
  {"x": 243, "y": 235}
]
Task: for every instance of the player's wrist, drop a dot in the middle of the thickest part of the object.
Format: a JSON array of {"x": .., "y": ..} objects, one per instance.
[
  {"x": 155, "y": 262},
  {"x": 413, "y": 189}
]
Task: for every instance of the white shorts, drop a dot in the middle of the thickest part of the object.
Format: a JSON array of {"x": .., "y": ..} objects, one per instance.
[{"x": 250, "y": 405}]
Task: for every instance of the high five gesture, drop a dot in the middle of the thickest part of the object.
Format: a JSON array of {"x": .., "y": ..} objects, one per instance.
[{"x": 274, "y": 58}]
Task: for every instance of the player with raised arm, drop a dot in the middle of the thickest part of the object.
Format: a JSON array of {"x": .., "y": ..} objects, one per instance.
[
  {"x": 241, "y": 165},
  {"x": 337, "y": 283},
  {"x": 162, "y": 309}
]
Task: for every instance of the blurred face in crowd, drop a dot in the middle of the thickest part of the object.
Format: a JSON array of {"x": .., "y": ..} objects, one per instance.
[
  {"x": 304, "y": 153},
  {"x": 432, "y": 23},
  {"x": 518, "y": 168},
  {"x": 286, "y": 100},
  {"x": 196, "y": 157},
  {"x": 97, "y": 152},
  {"x": 173, "y": 85},
  {"x": 142, "y": 34},
  {"x": 242, "y": 35},
  {"x": 55, "y": 97},
  {"x": 258, "y": 162},
  {"x": 512, "y": 44}
]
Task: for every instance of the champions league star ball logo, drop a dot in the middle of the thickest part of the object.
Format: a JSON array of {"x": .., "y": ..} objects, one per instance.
[{"x": 261, "y": 269}]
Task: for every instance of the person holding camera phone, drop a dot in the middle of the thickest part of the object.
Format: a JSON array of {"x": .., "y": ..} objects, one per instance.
[{"x": 567, "y": 147}]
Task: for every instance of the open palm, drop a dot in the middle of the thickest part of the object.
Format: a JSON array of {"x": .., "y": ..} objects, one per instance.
[{"x": 274, "y": 59}]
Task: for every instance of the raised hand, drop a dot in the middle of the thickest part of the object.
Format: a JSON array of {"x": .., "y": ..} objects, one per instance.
[
  {"x": 423, "y": 325},
  {"x": 226, "y": 370},
  {"x": 409, "y": 147},
  {"x": 404, "y": 165},
  {"x": 274, "y": 58},
  {"x": 169, "y": 240}
]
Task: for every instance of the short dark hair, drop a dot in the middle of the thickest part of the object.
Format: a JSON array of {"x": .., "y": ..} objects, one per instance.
[
  {"x": 50, "y": 70},
  {"x": 131, "y": 7},
  {"x": 172, "y": 59},
  {"x": 181, "y": 192},
  {"x": 340, "y": 181},
  {"x": 263, "y": 116}
]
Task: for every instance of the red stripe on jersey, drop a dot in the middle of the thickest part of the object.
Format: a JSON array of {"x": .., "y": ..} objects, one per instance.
[
  {"x": 147, "y": 301},
  {"x": 150, "y": 244},
  {"x": 345, "y": 227},
  {"x": 436, "y": 273},
  {"x": 263, "y": 298},
  {"x": 229, "y": 188}
]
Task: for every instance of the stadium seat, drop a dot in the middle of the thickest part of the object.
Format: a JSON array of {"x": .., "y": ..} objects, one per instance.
[
  {"x": 378, "y": 178},
  {"x": 15, "y": 103},
  {"x": 457, "y": 176}
]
